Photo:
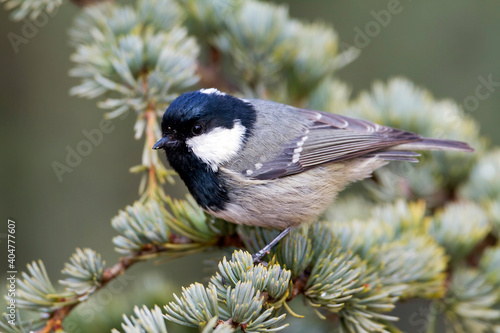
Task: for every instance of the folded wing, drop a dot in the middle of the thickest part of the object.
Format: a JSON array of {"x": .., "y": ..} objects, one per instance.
[{"x": 333, "y": 138}]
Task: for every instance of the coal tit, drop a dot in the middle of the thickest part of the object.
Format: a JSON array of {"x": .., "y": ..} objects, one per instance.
[{"x": 262, "y": 163}]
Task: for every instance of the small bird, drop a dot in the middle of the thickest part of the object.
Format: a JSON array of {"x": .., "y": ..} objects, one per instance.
[{"x": 262, "y": 163}]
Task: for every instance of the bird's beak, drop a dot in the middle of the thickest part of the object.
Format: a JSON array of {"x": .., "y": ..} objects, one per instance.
[{"x": 164, "y": 142}]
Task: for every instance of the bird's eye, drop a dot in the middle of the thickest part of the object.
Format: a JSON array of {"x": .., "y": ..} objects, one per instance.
[{"x": 197, "y": 129}]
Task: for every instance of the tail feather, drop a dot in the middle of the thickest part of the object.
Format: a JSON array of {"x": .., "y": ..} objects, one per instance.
[
  {"x": 435, "y": 144},
  {"x": 403, "y": 152}
]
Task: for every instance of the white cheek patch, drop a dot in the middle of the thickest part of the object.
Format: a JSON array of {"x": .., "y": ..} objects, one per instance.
[{"x": 219, "y": 145}]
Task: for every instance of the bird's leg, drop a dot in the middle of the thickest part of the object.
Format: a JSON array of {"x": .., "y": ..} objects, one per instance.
[{"x": 257, "y": 257}]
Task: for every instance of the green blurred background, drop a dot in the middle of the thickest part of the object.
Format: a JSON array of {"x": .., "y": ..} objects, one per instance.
[{"x": 444, "y": 46}]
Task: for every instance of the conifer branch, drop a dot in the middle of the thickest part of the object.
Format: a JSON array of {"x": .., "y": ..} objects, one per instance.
[{"x": 421, "y": 235}]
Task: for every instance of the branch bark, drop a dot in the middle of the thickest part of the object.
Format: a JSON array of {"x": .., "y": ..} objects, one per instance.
[
  {"x": 85, "y": 3},
  {"x": 54, "y": 323}
]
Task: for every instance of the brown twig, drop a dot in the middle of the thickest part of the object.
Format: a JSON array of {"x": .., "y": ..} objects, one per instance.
[
  {"x": 299, "y": 285},
  {"x": 230, "y": 240},
  {"x": 85, "y": 3},
  {"x": 211, "y": 74},
  {"x": 475, "y": 256},
  {"x": 56, "y": 318},
  {"x": 54, "y": 324},
  {"x": 151, "y": 138}
]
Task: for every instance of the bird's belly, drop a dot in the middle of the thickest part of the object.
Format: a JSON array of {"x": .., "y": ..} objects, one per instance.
[{"x": 289, "y": 201}]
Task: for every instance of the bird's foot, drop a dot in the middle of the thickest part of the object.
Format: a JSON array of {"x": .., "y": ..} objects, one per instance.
[{"x": 257, "y": 257}]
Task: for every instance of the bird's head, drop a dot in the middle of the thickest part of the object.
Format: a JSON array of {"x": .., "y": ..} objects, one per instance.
[{"x": 206, "y": 124}]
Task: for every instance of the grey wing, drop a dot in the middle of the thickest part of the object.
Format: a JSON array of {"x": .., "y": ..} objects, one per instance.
[{"x": 332, "y": 138}]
